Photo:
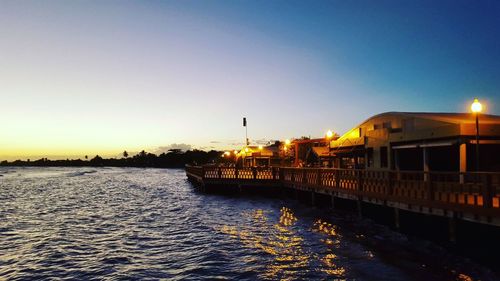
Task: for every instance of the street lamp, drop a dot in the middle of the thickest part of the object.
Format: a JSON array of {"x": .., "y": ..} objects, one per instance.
[
  {"x": 285, "y": 148},
  {"x": 476, "y": 108},
  {"x": 329, "y": 136}
]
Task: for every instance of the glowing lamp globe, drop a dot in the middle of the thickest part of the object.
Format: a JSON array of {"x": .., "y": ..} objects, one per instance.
[
  {"x": 476, "y": 106},
  {"x": 329, "y": 134}
]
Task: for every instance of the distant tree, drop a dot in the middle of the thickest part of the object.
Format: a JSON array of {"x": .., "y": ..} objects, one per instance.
[
  {"x": 174, "y": 158},
  {"x": 142, "y": 154},
  {"x": 96, "y": 161},
  {"x": 125, "y": 154}
]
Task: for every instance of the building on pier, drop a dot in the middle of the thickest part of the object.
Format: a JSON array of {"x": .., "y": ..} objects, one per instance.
[
  {"x": 254, "y": 155},
  {"x": 307, "y": 150},
  {"x": 420, "y": 142}
]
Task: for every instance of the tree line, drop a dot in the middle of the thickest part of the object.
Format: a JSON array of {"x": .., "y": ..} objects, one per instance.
[{"x": 174, "y": 158}]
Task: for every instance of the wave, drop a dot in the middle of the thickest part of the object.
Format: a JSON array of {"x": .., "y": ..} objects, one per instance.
[
  {"x": 81, "y": 173},
  {"x": 5, "y": 171}
]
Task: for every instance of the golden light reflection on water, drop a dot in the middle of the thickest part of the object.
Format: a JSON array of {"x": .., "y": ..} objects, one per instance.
[
  {"x": 332, "y": 240},
  {"x": 463, "y": 277},
  {"x": 285, "y": 245}
]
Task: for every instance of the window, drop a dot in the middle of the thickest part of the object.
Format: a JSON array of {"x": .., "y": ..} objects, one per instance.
[
  {"x": 369, "y": 156},
  {"x": 384, "y": 163}
]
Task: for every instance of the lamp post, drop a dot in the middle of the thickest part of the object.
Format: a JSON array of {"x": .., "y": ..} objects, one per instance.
[
  {"x": 285, "y": 150},
  {"x": 476, "y": 108},
  {"x": 329, "y": 136}
]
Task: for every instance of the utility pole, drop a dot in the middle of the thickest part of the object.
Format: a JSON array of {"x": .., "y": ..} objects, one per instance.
[{"x": 246, "y": 130}]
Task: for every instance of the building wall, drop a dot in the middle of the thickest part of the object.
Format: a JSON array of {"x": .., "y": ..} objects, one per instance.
[{"x": 444, "y": 131}]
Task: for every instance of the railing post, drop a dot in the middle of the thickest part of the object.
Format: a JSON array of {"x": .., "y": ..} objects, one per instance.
[
  {"x": 293, "y": 174},
  {"x": 487, "y": 191},
  {"x": 318, "y": 180},
  {"x": 389, "y": 182},
  {"x": 236, "y": 170},
  {"x": 304, "y": 176},
  {"x": 336, "y": 174},
  {"x": 219, "y": 172},
  {"x": 359, "y": 176},
  {"x": 281, "y": 173},
  {"x": 428, "y": 185},
  {"x": 254, "y": 172},
  {"x": 203, "y": 172}
]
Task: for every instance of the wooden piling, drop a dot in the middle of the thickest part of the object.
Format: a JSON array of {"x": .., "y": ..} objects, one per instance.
[{"x": 396, "y": 219}]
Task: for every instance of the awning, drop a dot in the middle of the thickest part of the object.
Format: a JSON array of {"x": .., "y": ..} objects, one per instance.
[
  {"x": 427, "y": 144},
  {"x": 438, "y": 144},
  {"x": 405, "y": 146},
  {"x": 486, "y": 141},
  {"x": 320, "y": 151},
  {"x": 346, "y": 150}
]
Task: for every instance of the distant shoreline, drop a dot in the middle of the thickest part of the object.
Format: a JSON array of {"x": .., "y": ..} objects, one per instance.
[{"x": 172, "y": 159}]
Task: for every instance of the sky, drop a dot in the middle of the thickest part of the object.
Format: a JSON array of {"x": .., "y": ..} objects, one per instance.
[{"x": 100, "y": 77}]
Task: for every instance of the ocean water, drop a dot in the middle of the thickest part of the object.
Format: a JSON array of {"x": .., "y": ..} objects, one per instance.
[{"x": 149, "y": 224}]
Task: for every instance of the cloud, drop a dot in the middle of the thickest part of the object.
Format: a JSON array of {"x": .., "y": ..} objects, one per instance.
[
  {"x": 207, "y": 148},
  {"x": 165, "y": 149},
  {"x": 263, "y": 141},
  {"x": 224, "y": 144}
]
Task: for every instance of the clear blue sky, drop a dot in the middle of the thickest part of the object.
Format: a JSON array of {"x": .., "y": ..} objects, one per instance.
[{"x": 86, "y": 77}]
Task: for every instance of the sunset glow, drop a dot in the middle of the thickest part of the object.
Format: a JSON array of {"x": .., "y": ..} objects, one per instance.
[{"x": 84, "y": 78}]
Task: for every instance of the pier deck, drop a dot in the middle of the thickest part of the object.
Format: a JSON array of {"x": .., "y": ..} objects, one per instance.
[{"x": 468, "y": 196}]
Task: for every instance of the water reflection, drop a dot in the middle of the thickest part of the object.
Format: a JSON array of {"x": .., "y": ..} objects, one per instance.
[
  {"x": 68, "y": 223},
  {"x": 280, "y": 238},
  {"x": 331, "y": 239}
]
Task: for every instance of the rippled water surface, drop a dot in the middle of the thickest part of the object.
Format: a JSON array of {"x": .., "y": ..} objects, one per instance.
[{"x": 112, "y": 223}]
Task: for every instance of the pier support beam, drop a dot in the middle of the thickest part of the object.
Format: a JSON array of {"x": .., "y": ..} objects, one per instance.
[
  {"x": 452, "y": 228},
  {"x": 396, "y": 219},
  {"x": 313, "y": 198},
  {"x": 358, "y": 207}
]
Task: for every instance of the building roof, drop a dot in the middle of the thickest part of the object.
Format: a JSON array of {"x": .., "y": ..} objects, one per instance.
[
  {"x": 455, "y": 118},
  {"x": 417, "y": 125}
]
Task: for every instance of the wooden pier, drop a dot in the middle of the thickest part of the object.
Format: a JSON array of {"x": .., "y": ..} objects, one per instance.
[{"x": 468, "y": 196}]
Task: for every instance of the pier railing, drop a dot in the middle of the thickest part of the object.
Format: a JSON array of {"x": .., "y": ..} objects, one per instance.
[
  {"x": 468, "y": 189},
  {"x": 448, "y": 190},
  {"x": 246, "y": 173}
]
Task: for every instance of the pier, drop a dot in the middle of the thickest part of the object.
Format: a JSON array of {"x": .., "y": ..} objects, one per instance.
[{"x": 469, "y": 196}]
